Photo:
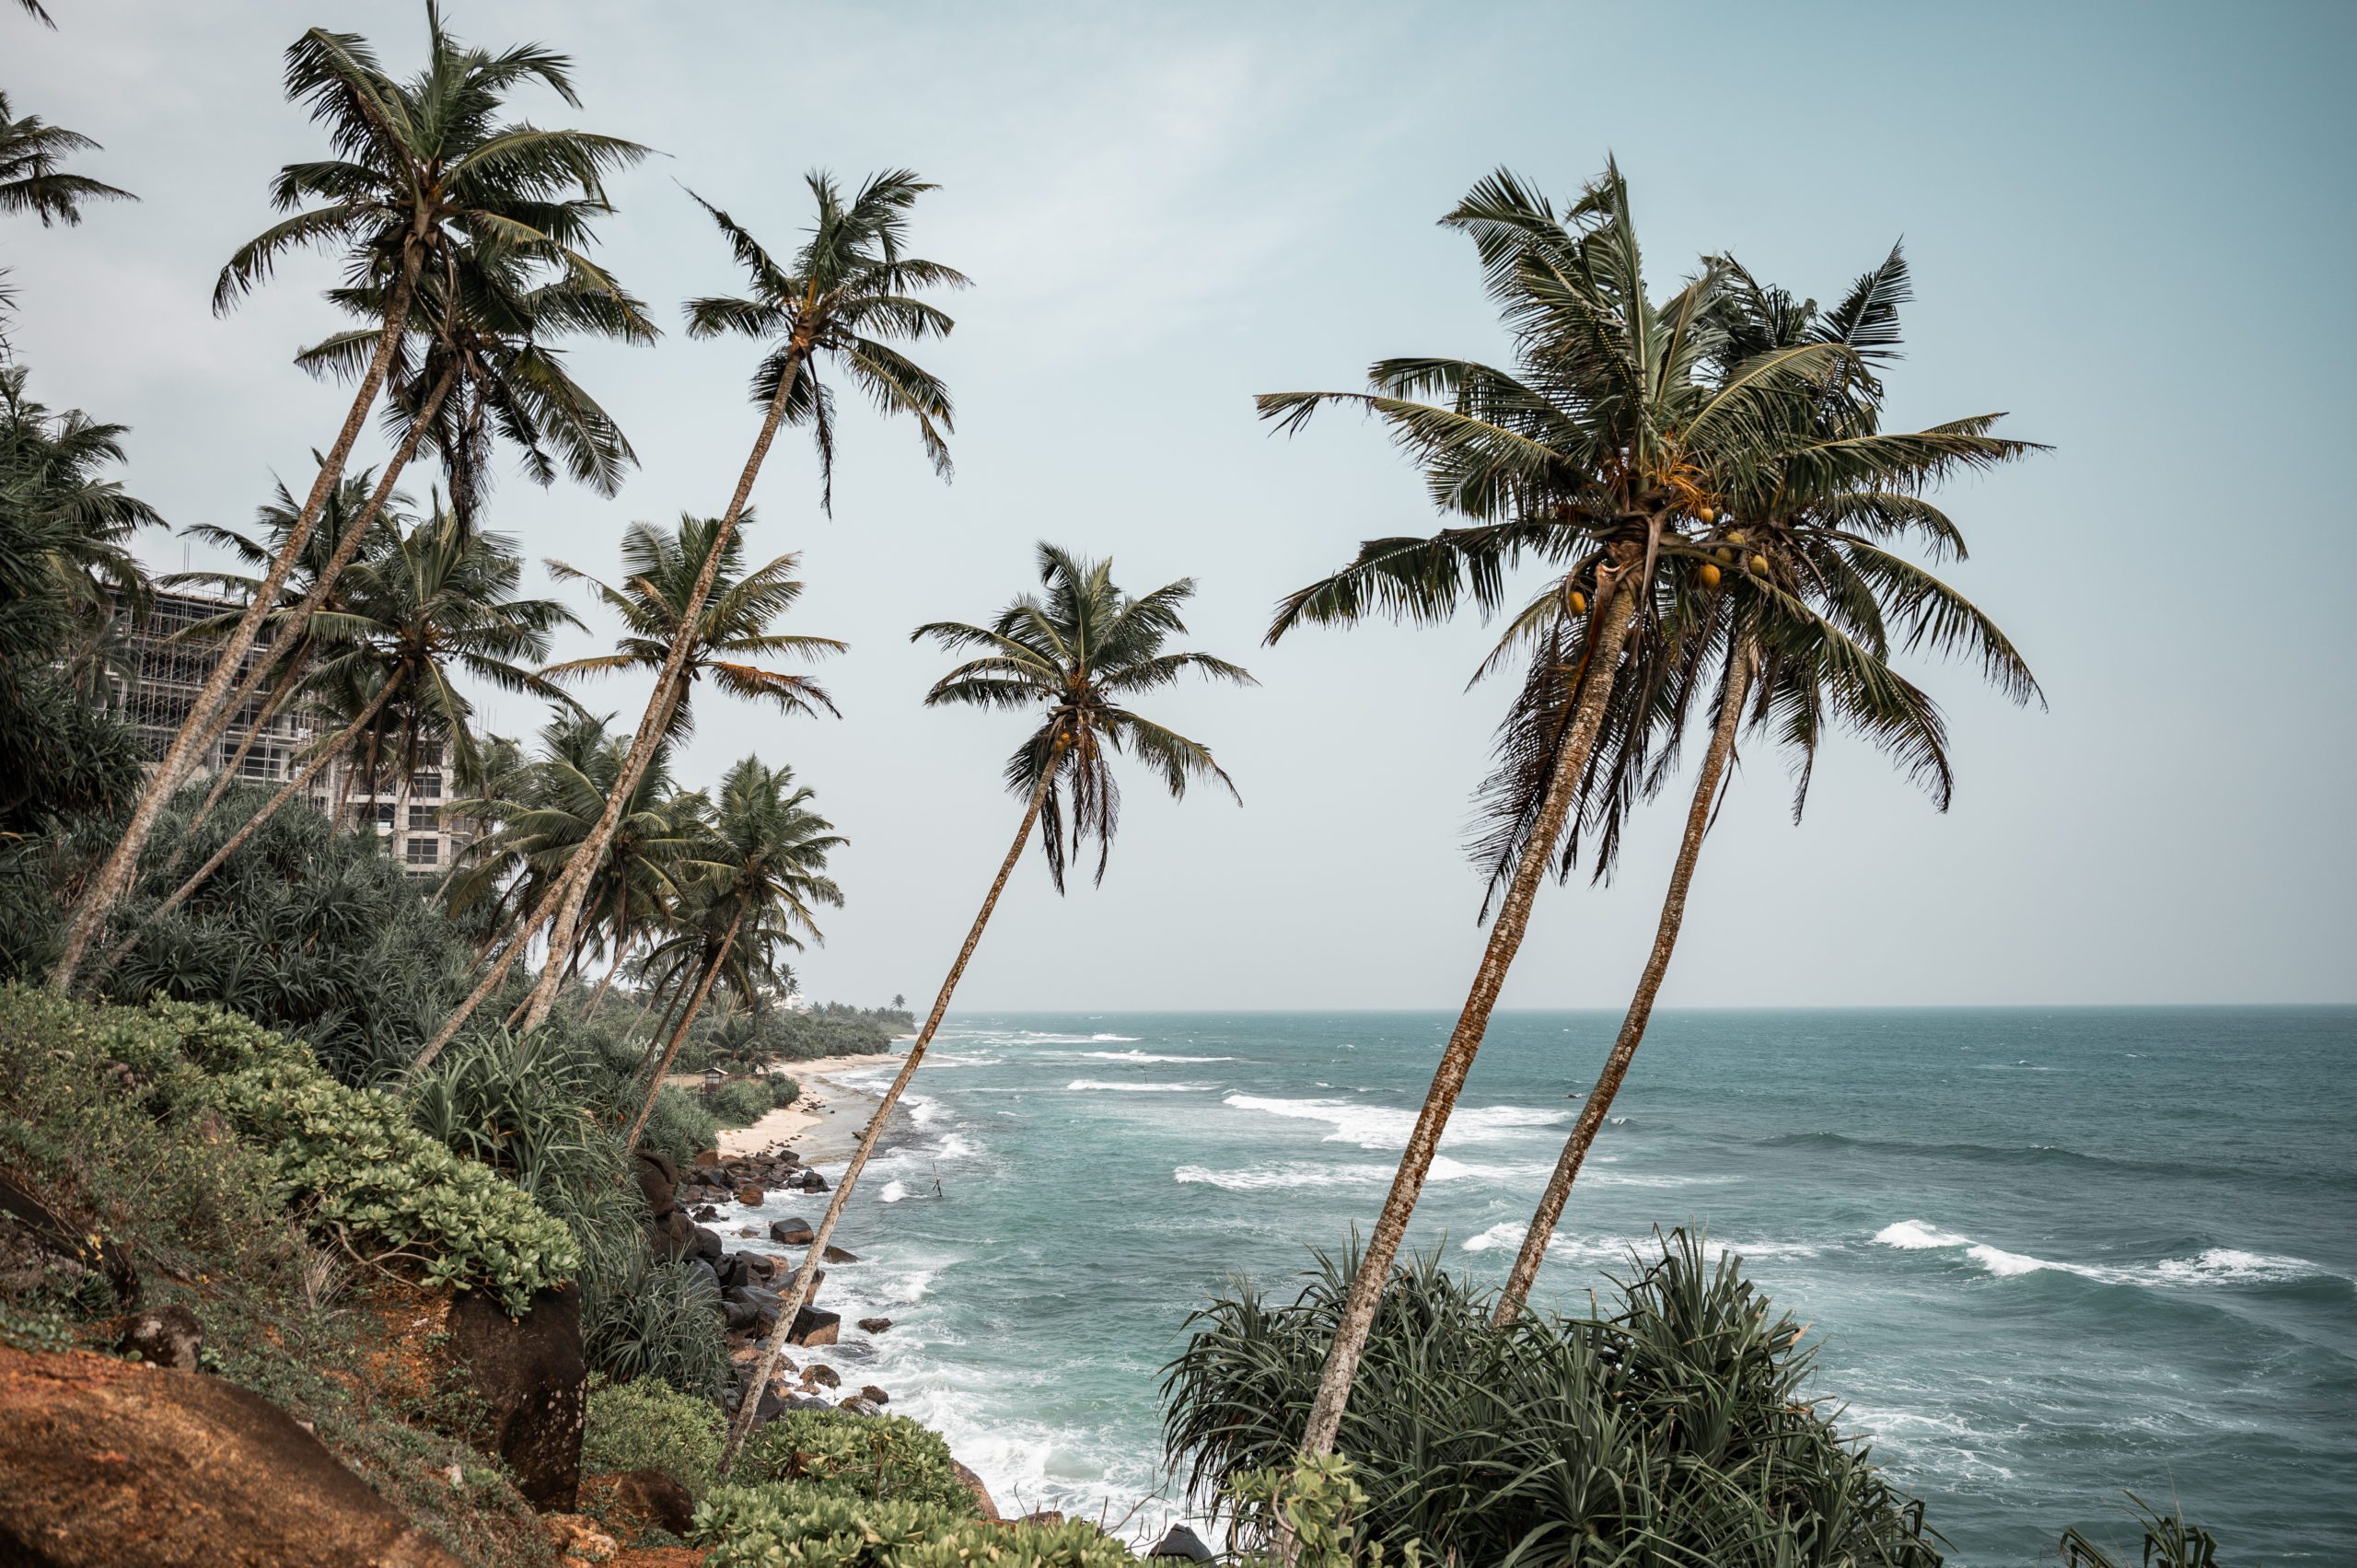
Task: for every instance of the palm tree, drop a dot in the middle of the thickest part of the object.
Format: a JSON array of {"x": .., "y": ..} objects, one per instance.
[
  {"x": 30, "y": 179},
  {"x": 667, "y": 600},
  {"x": 765, "y": 869},
  {"x": 848, "y": 289},
  {"x": 1074, "y": 654},
  {"x": 1807, "y": 615},
  {"x": 440, "y": 605},
  {"x": 422, "y": 172},
  {"x": 484, "y": 366},
  {"x": 1604, "y": 444}
]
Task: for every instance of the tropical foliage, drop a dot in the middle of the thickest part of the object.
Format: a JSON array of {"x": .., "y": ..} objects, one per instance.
[{"x": 1678, "y": 1428}]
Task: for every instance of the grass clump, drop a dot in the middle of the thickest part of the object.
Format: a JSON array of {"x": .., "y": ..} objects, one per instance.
[
  {"x": 887, "y": 1459},
  {"x": 647, "y": 1425},
  {"x": 739, "y": 1102},
  {"x": 1677, "y": 1429}
]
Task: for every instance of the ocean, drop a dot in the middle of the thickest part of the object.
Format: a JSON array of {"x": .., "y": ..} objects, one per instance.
[{"x": 2048, "y": 1256}]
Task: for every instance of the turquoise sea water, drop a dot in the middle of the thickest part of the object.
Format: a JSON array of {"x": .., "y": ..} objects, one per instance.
[{"x": 2047, "y": 1255}]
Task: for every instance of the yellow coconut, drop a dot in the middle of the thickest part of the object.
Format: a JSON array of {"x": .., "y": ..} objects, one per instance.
[
  {"x": 1710, "y": 576},
  {"x": 1577, "y": 603},
  {"x": 1760, "y": 565}
]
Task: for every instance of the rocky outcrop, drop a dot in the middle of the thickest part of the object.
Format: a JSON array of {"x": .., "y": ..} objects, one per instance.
[
  {"x": 874, "y": 1325},
  {"x": 813, "y": 1327},
  {"x": 792, "y": 1233},
  {"x": 165, "y": 1336},
  {"x": 1181, "y": 1542},
  {"x": 112, "y": 1464},
  {"x": 973, "y": 1483},
  {"x": 531, "y": 1376},
  {"x": 655, "y": 1498}
]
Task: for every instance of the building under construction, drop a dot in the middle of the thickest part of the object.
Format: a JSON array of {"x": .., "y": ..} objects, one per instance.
[{"x": 169, "y": 667}]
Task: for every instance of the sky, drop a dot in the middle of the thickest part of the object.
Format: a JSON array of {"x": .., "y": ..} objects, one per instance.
[{"x": 2125, "y": 223}]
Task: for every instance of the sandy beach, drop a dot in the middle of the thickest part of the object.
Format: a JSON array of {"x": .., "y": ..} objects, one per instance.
[{"x": 821, "y": 1126}]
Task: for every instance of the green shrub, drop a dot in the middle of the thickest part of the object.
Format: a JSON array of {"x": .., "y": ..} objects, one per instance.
[
  {"x": 678, "y": 1127},
  {"x": 1677, "y": 1427},
  {"x": 881, "y": 1458},
  {"x": 647, "y": 1425},
  {"x": 658, "y": 1320},
  {"x": 1320, "y": 1503},
  {"x": 346, "y": 1161},
  {"x": 783, "y": 1091},
  {"x": 739, "y": 1102},
  {"x": 807, "y": 1526}
]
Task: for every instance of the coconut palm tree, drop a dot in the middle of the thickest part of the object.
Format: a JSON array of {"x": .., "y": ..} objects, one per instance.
[
  {"x": 1801, "y": 611},
  {"x": 1075, "y": 654},
  {"x": 30, "y": 178},
  {"x": 441, "y": 605},
  {"x": 1604, "y": 444},
  {"x": 843, "y": 293},
  {"x": 763, "y": 872},
  {"x": 687, "y": 587},
  {"x": 421, "y": 172}
]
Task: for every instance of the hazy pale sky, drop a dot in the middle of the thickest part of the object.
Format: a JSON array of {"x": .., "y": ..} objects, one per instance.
[{"x": 2130, "y": 225}]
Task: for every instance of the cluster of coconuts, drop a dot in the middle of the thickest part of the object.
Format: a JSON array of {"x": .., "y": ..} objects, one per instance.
[{"x": 1709, "y": 572}]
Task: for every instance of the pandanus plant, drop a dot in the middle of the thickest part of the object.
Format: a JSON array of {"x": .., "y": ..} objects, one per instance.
[
  {"x": 421, "y": 172},
  {"x": 1792, "y": 604},
  {"x": 1074, "y": 654}
]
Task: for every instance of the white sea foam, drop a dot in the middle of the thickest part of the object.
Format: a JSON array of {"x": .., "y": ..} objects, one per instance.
[
  {"x": 1915, "y": 1236},
  {"x": 1261, "y": 1178},
  {"x": 1144, "y": 1056},
  {"x": 1616, "y": 1248},
  {"x": 1509, "y": 1234},
  {"x": 2225, "y": 1265},
  {"x": 893, "y": 1192},
  {"x": 1099, "y": 1084},
  {"x": 1380, "y": 1127},
  {"x": 2219, "y": 1265}
]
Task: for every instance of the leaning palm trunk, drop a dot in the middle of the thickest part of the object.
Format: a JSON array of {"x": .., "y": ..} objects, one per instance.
[
  {"x": 1609, "y": 633},
  {"x": 289, "y": 649},
  {"x": 293, "y": 786},
  {"x": 805, "y": 1279},
  {"x": 687, "y": 1021},
  {"x": 1641, "y": 1007},
  {"x": 656, "y": 719},
  {"x": 114, "y": 877}
]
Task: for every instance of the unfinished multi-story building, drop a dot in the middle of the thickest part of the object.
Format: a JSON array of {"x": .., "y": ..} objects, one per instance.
[{"x": 168, "y": 668}]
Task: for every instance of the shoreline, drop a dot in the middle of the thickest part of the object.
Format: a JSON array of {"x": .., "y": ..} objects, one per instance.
[{"x": 823, "y": 1125}]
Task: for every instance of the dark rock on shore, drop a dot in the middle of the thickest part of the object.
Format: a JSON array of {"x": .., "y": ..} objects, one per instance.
[
  {"x": 812, "y": 1327},
  {"x": 826, "y": 1376},
  {"x": 1180, "y": 1541},
  {"x": 875, "y": 1325},
  {"x": 792, "y": 1233},
  {"x": 110, "y": 1464},
  {"x": 875, "y": 1395},
  {"x": 981, "y": 1494},
  {"x": 856, "y": 1405},
  {"x": 835, "y": 1254}
]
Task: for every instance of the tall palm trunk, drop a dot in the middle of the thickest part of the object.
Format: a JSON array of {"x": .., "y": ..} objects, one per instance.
[
  {"x": 579, "y": 869},
  {"x": 807, "y": 1277},
  {"x": 652, "y": 725},
  {"x": 678, "y": 999},
  {"x": 599, "y": 995},
  {"x": 687, "y": 1022},
  {"x": 1641, "y": 1007},
  {"x": 293, "y": 786},
  {"x": 115, "y": 876},
  {"x": 1609, "y": 633},
  {"x": 289, "y": 649}
]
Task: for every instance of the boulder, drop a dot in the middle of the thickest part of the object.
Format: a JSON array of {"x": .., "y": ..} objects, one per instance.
[
  {"x": 531, "y": 1376},
  {"x": 167, "y": 1336},
  {"x": 707, "y": 1246},
  {"x": 657, "y": 1499},
  {"x": 674, "y": 1235},
  {"x": 698, "y": 1266},
  {"x": 1180, "y": 1541},
  {"x": 751, "y": 1196},
  {"x": 875, "y": 1395},
  {"x": 835, "y": 1254},
  {"x": 813, "y": 1183},
  {"x": 973, "y": 1483},
  {"x": 825, "y": 1374},
  {"x": 703, "y": 1212},
  {"x": 792, "y": 1233},
  {"x": 732, "y": 1271},
  {"x": 111, "y": 1464},
  {"x": 658, "y": 1178},
  {"x": 857, "y": 1406},
  {"x": 812, "y": 1327},
  {"x": 707, "y": 1158},
  {"x": 875, "y": 1325},
  {"x": 764, "y": 1304}
]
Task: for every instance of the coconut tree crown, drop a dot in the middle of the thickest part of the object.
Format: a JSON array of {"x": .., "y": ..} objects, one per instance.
[
  {"x": 850, "y": 286},
  {"x": 1079, "y": 651},
  {"x": 32, "y": 177}
]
